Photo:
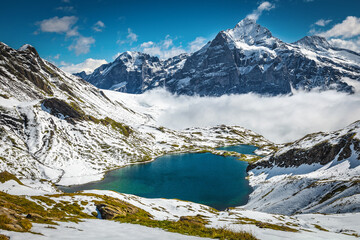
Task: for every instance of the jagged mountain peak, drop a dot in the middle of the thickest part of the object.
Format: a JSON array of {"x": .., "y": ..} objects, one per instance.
[
  {"x": 129, "y": 54},
  {"x": 248, "y": 25},
  {"x": 134, "y": 72},
  {"x": 249, "y": 31},
  {"x": 314, "y": 42},
  {"x": 135, "y": 57},
  {"x": 28, "y": 48}
]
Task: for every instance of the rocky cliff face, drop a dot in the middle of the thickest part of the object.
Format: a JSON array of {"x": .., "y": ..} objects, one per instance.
[
  {"x": 322, "y": 152},
  {"x": 318, "y": 173},
  {"x": 244, "y": 59}
]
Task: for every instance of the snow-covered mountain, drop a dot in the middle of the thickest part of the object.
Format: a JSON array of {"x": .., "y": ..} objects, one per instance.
[
  {"x": 247, "y": 58},
  {"x": 318, "y": 173},
  {"x": 134, "y": 72},
  {"x": 58, "y": 127}
]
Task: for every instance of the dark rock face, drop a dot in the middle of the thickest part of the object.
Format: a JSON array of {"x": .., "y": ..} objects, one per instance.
[
  {"x": 323, "y": 153},
  {"x": 24, "y": 67},
  {"x": 8, "y": 120},
  {"x": 217, "y": 70},
  {"x": 61, "y": 109}
]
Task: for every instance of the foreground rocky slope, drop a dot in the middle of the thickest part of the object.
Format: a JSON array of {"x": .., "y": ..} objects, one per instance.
[
  {"x": 244, "y": 59},
  {"x": 318, "y": 173},
  {"x": 58, "y": 127}
]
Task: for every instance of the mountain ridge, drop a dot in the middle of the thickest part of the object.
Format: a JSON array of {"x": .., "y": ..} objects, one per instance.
[{"x": 246, "y": 58}]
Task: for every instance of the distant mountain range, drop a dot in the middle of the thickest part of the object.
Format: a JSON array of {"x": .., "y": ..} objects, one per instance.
[{"x": 247, "y": 58}]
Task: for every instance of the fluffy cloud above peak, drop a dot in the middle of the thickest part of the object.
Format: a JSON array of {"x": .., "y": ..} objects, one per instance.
[
  {"x": 89, "y": 65},
  {"x": 58, "y": 25},
  {"x": 147, "y": 44},
  {"x": 166, "y": 48},
  {"x": 163, "y": 49},
  {"x": 82, "y": 45},
  {"x": 322, "y": 22},
  {"x": 352, "y": 44},
  {"x": 98, "y": 26},
  {"x": 66, "y": 9},
  {"x": 198, "y": 43},
  {"x": 344, "y": 35},
  {"x": 66, "y": 25},
  {"x": 350, "y": 27},
  {"x": 131, "y": 37},
  {"x": 265, "y": 6}
]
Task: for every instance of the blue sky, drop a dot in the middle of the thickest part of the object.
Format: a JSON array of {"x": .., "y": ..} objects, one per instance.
[{"x": 79, "y": 35}]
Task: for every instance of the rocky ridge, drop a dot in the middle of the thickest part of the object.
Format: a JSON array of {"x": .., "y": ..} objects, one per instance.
[
  {"x": 247, "y": 58},
  {"x": 318, "y": 173}
]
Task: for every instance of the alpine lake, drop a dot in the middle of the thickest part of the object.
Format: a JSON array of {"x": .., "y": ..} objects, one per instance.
[{"x": 213, "y": 180}]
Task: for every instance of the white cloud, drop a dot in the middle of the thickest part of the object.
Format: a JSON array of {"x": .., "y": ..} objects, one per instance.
[
  {"x": 72, "y": 32},
  {"x": 89, "y": 65},
  {"x": 82, "y": 45},
  {"x": 168, "y": 42},
  {"x": 198, "y": 43},
  {"x": 322, "y": 22},
  {"x": 98, "y": 26},
  {"x": 353, "y": 44},
  {"x": 164, "y": 49},
  {"x": 58, "y": 25},
  {"x": 147, "y": 44},
  {"x": 344, "y": 35},
  {"x": 132, "y": 37},
  {"x": 280, "y": 118},
  {"x": 348, "y": 28},
  {"x": 265, "y": 6},
  {"x": 167, "y": 49},
  {"x": 65, "y": 25},
  {"x": 164, "y": 53},
  {"x": 66, "y": 8},
  {"x": 57, "y": 56}
]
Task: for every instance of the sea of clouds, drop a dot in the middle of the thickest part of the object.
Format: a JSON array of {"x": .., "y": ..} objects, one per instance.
[{"x": 279, "y": 118}]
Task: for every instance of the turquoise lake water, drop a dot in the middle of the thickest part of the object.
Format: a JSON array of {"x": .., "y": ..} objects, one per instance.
[{"x": 204, "y": 178}]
